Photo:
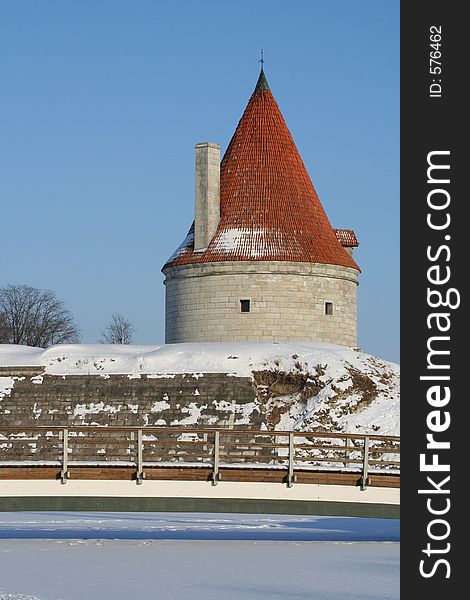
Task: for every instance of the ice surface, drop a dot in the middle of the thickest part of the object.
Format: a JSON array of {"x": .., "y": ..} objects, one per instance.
[
  {"x": 78, "y": 556},
  {"x": 196, "y": 526}
]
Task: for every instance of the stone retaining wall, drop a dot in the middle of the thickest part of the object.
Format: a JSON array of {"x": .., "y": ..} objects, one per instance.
[
  {"x": 193, "y": 400},
  {"x": 213, "y": 399}
]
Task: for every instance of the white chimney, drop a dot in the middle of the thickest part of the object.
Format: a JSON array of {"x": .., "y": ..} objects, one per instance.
[{"x": 207, "y": 197}]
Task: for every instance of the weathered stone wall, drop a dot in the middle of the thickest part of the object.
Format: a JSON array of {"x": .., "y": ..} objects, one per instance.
[
  {"x": 194, "y": 400},
  {"x": 287, "y": 302},
  {"x": 118, "y": 400}
]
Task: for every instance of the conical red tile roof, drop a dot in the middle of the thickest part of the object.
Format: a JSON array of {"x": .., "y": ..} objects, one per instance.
[{"x": 269, "y": 209}]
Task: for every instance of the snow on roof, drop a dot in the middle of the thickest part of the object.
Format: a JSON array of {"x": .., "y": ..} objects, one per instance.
[
  {"x": 254, "y": 241},
  {"x": 187, "y": 243}
]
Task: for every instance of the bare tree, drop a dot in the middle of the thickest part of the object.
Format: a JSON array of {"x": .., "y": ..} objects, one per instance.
[
  {"x": 34, "y": 317},
  {"x": 4, "y": 330},
  {"x": 118, "y": 331}
]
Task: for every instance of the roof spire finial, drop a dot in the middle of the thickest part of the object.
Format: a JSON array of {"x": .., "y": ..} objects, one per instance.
[{"x": 262, "y": 82}]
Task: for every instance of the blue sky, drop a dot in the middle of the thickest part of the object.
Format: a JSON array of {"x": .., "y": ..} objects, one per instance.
[{"x": 103, "y": 101}]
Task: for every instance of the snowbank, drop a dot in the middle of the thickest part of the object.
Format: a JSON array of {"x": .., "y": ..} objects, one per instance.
[{"x": 239, "y": 358}]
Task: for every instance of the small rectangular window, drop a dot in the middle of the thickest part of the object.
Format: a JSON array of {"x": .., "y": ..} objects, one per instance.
[
  {"x": 245, "y": 306},
  {"x": 328, "y": 308}
]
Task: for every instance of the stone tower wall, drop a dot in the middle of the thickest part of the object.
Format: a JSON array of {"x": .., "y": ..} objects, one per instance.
[{"x": 287, "y": 302}]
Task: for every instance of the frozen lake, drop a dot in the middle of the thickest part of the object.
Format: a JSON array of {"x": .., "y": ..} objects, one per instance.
[{"x": 175, "y": 556}]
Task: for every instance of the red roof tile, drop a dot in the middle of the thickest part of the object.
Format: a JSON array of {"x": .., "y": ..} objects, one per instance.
[
  {"x": 346, "y": 237},
  {"x": 269, "y": 209}
]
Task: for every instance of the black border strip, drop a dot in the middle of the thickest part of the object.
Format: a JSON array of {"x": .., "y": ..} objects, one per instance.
[{"x": 432, "y": 120}]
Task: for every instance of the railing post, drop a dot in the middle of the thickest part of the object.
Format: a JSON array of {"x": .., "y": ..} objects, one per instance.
[
  {"x": 290, "y": 473},
  {"x": 365, "y": 465},
  {"x": 347, "y": 452},
  {"x": 215, "y": 472},
  {"x": 140, "y": 475},
  {"x": 64, "y": 473}
]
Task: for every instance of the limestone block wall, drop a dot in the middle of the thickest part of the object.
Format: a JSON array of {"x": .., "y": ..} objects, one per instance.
[
  {"x": 192, "y": 400},
  {"x": 287, "y": 302},
  {"x": 207, "y": 400}
]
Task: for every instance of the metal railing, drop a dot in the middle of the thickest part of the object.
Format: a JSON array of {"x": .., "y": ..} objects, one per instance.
[{"x": 148, "y": 447}]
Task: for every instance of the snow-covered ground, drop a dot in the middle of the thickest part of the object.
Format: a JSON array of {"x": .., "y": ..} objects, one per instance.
[
  {"x": 329, "y": 386},
  {"x": 153, "y": 556},
  {"x": 238, "y": 358}
]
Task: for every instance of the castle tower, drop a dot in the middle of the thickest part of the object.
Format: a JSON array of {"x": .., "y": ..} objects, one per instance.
[{"x": 261, "y": 261}]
